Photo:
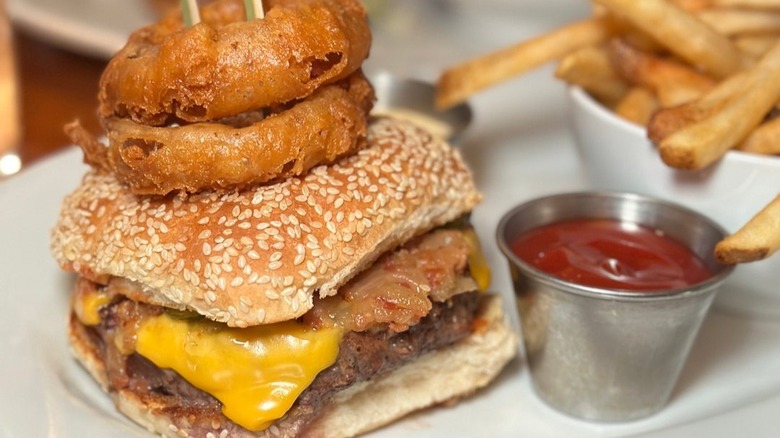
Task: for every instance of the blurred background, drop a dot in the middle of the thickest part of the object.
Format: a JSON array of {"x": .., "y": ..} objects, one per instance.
[{"x": 62, "y": 46}]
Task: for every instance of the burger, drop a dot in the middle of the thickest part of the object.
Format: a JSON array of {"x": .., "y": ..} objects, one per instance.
[
  {"x": 326, "y": 304},
  {"x": 256, "y": 255}
]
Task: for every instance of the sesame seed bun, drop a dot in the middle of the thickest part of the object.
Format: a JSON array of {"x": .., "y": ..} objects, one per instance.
[
  {"x": 437, "y": 377},
  {"x": 258, "y": 256}
]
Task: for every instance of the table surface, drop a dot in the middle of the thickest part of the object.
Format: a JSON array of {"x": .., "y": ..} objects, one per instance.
[{"x": 56, "y": 87}]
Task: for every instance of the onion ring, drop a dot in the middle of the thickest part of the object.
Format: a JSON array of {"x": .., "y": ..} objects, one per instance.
[
  {"x": 330, "y": 123},
  {"x": 226, "y": 65}
]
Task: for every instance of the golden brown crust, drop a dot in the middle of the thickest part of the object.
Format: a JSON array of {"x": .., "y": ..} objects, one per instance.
[
  {"x": 437, "y": 377},
  {"x": 329, "y": 124},
  {"x": 226, "y": 65},
  {"x": 259, "y": 255}
]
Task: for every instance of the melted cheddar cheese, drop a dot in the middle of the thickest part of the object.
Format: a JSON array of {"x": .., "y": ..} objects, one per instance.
[
  {"x": 87, "y": 305},
  {"x": 478, "y": 266},
  {"x": 257, "y": 372}
]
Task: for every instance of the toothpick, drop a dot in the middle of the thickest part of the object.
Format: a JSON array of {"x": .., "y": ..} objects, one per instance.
[
  {"x": 189, "y": 12},
  {"x": 254, "y": 9}
]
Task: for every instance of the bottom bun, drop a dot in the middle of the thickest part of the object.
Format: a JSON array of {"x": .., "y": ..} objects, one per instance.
[{"x": 470, "y": 364}]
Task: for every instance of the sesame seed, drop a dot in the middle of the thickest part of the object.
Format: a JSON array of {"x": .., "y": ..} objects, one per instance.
[{"x": 295, "y": 303}]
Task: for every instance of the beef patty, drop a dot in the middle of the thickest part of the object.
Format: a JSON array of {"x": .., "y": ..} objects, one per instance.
[{"x": 362, "y": 356}]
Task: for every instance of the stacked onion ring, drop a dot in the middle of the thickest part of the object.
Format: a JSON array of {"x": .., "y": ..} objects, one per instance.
[{"x": 228, "y": 103}]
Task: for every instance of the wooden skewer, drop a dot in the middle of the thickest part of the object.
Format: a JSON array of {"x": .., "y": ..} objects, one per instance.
[
  {"x": 254, "y": 9},
  {"x": 189, "y": 12}
]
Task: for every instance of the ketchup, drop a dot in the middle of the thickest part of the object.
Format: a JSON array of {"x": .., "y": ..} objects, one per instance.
[{"x": 610, "y": 254}]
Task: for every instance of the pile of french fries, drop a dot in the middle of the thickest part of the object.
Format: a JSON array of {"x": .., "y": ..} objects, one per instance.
[{"x": 703, "y": 76}]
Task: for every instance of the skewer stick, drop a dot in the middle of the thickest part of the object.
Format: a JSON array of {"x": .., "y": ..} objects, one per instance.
[
  {"x": 189, "y": 12},
  {"x": 254, "y": 9}
]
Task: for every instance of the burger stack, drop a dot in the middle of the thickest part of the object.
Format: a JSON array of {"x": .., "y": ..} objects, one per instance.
[{"x": 326, "y": 297}]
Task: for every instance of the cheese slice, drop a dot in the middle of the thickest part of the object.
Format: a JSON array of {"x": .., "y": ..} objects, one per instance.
[
  {"x": 257, "y": 372},
  {"x": 478, "y": 265},
  {"x": 87, "y": 305}
]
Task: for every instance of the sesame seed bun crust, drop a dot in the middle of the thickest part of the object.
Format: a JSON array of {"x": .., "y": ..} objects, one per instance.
[{"x": 259, "y": 255}]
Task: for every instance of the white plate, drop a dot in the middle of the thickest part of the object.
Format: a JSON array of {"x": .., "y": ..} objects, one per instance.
[{"x": 519, "y": 148}]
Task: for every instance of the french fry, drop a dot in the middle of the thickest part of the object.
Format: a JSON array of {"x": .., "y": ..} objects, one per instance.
[
  {"x": 637, "y": 106},
  {"x": 693, "y": 5},
  {"x": 763, "y": 140},
  {"x": 667, "y": 121},
  {"x": 756, "y": 45},
  {"x": 756, "y": 240},
  {"x": 731, "y": 22},
  {"x": 674, "y": 28},
  {"x": 673, "y": 82},
  {"x": 458, "y": 83},
  {"x": 698, "y": 145},
  {"x": 638, "y": 38},
  {"x": 591, "y": 69},
  {"x": 754, "y": 4}
]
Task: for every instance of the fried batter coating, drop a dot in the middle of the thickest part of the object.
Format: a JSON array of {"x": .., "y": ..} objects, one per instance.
[
  {"x": 330, "y": 123},
  {"x": 226, "y": 65}
]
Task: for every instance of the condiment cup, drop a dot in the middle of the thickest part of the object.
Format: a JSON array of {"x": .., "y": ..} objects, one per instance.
[
  {"x": 617, "y": 156},
  {"x": 601, "y": 354},
  {"x": 413, "y": 100}
]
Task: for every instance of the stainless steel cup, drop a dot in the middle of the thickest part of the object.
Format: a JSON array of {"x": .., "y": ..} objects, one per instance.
[
  {"x": 608, "y": 355},
  {"x": 414, "y": 100}
]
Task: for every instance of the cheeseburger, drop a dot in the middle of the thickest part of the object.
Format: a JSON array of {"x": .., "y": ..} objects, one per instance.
[
  {"x": 323, "y": 305},
  {"x": 258, "y": 256}
]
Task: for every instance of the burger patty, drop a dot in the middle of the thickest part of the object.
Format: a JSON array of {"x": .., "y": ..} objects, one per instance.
[{"x": 362, "y": 356}]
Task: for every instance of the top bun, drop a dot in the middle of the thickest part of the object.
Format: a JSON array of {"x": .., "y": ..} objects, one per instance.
[{"x": 257, "y": 256}]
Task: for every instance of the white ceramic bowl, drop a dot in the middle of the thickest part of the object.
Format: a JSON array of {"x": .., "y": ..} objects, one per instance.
[{"x": 617, "y": 155}]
